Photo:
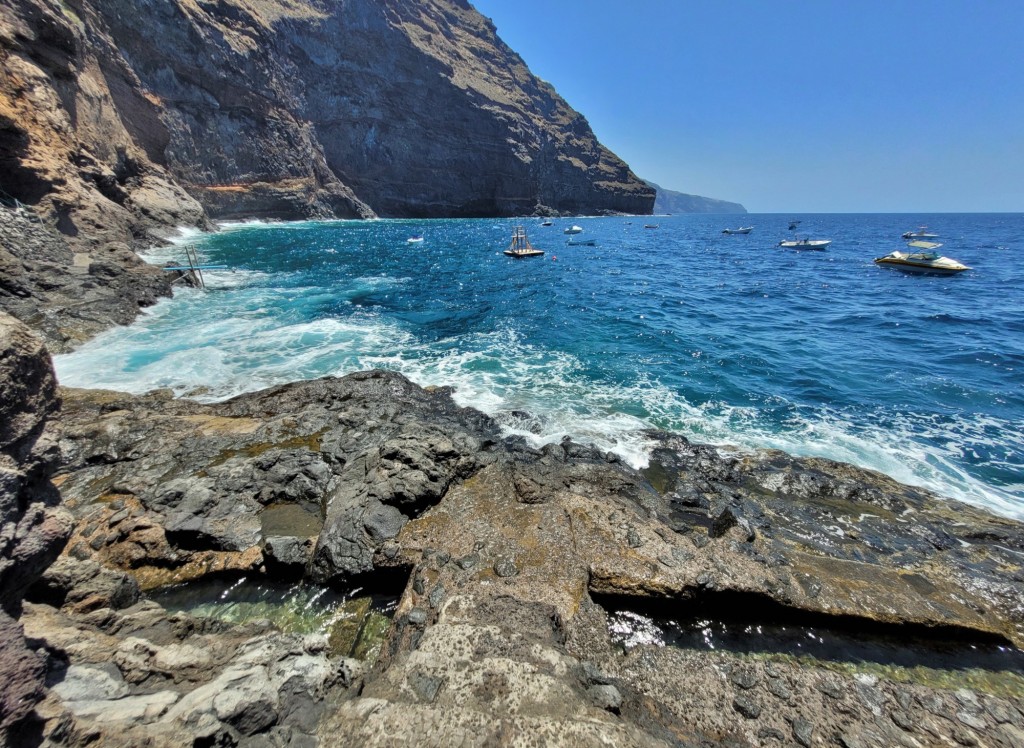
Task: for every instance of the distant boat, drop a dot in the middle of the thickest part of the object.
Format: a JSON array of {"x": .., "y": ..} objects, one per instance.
[
  {"x": 921, "y": 234},
  {"x": 415, "y": 238},
  {"x": 520, "y": 246},
  {"x": 794, "y": 224},
  {"x": 580, "y": 242},
  {"x": 805, "y": 243},
  {"x": 650, "y": 225},
  {"x": 545, "y": 223},
  {"x": 573, "y": 230},
  {"x": 744, "y": 230},
  {"x": 924, "y": 261}
]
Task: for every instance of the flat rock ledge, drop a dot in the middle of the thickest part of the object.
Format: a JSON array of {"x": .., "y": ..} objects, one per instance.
[{"x": 514, "y": 561}]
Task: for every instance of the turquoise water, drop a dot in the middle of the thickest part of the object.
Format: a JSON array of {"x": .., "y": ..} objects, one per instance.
[{"x": 726, "y": 339}]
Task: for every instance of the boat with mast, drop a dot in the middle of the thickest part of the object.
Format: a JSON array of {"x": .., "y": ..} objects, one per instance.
[{"x": 520, "y": 246}]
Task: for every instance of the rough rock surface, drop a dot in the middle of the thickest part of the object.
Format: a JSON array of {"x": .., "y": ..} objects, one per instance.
[
  {"x": 33, "y": 528},
  {"x": 67, "y": 296},
  {"x": 516, "y": 561},
  {"x": 276, "y": 108}
]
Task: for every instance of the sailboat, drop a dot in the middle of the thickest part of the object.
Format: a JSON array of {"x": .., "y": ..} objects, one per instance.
[{"x": 520, "y": 246}]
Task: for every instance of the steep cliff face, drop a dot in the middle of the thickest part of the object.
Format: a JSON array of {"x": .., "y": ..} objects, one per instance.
[
  {"x": 669, "y": 201},
  {"x": 279, "y": 108}
]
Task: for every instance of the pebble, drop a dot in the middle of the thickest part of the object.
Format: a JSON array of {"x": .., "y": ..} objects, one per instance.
[
  {"x": 606, "y": 697},
  {"x": 747, "y": 707},
  {"x": 468, "y": 562},
  {"x": 744, "y": 678},
  {"x": 633, "y": 538},
  {"x": 417, "y": 616},
  {"x": 505, "y": 569},
  {"x": 777, "y": 687},
  {"x": 437, "y": 596},
  {"x": 803, "y": 731}
]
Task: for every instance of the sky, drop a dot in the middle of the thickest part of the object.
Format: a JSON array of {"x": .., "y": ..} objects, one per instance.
[{"x": 903, "y": 106}]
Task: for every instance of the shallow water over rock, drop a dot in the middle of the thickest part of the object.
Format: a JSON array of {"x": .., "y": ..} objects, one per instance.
[
  {"x": 947, "y": 658},
  {"x": 355, "y": 620}
]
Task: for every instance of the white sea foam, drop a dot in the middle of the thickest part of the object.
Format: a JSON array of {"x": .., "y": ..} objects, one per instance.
[{"x": 246, "y": 343}]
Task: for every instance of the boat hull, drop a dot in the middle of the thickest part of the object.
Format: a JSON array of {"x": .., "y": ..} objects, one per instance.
[
  {"x": 520, "y": 254},
  {"x": 806, "y": 244},
  {"x": 919, "y": 268}
]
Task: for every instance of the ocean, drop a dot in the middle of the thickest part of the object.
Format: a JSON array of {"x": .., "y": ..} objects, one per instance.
[{"x": 728, "y": 340}]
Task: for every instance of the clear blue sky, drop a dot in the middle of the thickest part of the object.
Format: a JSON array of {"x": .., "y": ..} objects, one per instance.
[{"x": 795, "y": 106}]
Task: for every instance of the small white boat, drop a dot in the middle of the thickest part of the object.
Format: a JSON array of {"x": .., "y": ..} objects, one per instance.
[
  {"x": 650, "y": 225},
  {"x": 545, "y": 223},
  {"x": 573, "y": 230},
  {"x": 805, "y": 243},
  {"x": 743, "y": 230},
  {"x": 581, "y": 242},
  {"x": 924, "y": 261},
  {"x": 415, "y": 239},
  {"x": 922, "y": 233},
  {"x": 520, "y": 246}
]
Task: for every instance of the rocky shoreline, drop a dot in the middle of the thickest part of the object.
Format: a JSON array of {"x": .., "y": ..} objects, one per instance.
[{"x": 511, "y": 564}]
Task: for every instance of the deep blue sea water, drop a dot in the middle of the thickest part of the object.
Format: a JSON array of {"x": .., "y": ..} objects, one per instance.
[{"x": 726, "y": 339}]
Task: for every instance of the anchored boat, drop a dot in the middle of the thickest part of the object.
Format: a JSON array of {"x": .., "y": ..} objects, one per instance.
[
  {"x": 521, "y": 247},
  {"x": 923, "y": 261},
  {"x": 805, "y": 243},
  {"x": 573, "y": 230},
  {"x": 743, "y": 230},
  {"x": 921, "y": 233}
]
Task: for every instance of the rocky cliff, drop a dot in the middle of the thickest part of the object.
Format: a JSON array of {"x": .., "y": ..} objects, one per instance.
[
  {"x": 120, "y": 116},
  {"x": 669, "y": 201},
  {"x": 33, "y": 527}
]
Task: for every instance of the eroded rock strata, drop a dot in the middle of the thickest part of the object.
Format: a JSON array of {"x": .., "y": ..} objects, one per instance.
[
  {"x": 131, "y": 112},
  {"x": 515, "y": 560}
]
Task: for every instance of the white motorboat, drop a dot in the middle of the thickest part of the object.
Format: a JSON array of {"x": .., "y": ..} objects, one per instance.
[
  {"x": 414, "y": 239},
  {"x": 545, "y": 223},
  {"x": 924, "y": 260},
  {"x": 805, "y": 243},
  {"x": 581, "y": 242},
  {"x": 742, "y": 230},
  {"x": 573, "y": 230},
  {"x": 922, "y": 233}
]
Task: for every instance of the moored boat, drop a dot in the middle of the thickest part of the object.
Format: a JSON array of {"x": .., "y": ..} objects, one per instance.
[
  {"x": 573, "y": 230},
  {"x": 520, "y": 246},
  {"x": 805, "y": 243},
  {"x": 650, "y": 225},
  {"x": 921, "y": 233},
  {"x": 742, "y": 230},
  {"x": 580, "y": 242},
  {"x": 923, "y": 261},
  {"x": 415, "y": 239}
]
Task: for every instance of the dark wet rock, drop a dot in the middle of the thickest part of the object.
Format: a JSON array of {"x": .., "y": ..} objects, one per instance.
[
  {"x": 803, "y": 732},
  {"x": 747, "y": 707},
  {"x": 778, "y": 687},
  {"x": 744, "y": 678}
]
